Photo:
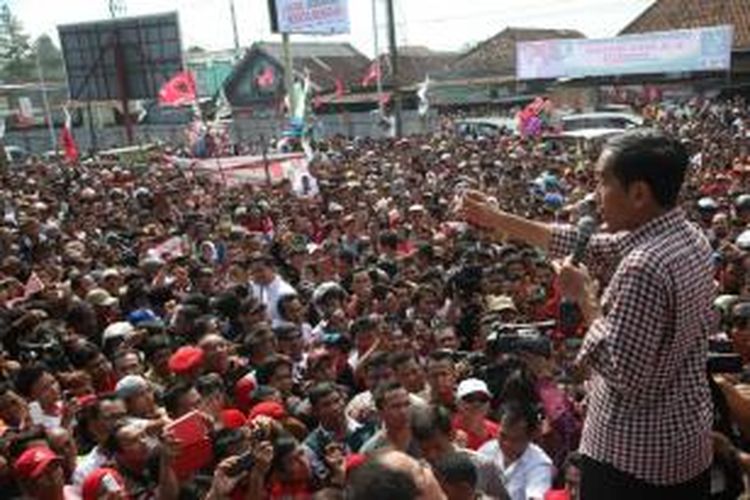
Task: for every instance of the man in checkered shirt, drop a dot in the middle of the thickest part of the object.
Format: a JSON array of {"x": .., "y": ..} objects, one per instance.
[{"x": 647, "y": 429}]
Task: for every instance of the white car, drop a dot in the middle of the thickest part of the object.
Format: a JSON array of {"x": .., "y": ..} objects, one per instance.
[
  {"x": 485, "y": 127},
  {"x": 601, "y": 120}
]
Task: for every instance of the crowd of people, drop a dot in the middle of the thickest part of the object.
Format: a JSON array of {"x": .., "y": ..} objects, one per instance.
[{"x": 167, "y": 336}]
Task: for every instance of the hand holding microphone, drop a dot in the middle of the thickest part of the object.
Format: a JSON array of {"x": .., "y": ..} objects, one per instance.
[{"x": 575, "y": 282}]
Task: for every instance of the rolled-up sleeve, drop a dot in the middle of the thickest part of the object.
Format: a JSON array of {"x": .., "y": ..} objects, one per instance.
[
  {"x": 563, "y": 240},
  {"x": 623, "y": 345},
  {"x": 603, "y": 250}
]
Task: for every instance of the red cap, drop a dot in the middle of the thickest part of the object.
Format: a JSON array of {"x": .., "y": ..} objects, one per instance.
[
  {"x": 186, "y": 359},
  {"x": 93, "y": 482},
  {"x": 32, "y": 462},
  {"x": 242, "y": 391},
  {"x": 233, "y": 418},
  {"x": 268, "y": 409}
]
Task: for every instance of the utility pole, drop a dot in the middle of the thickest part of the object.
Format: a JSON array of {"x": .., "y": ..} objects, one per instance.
[
  {"x": 234, "y": 29},
  {"x": 288, "y": 71},
  {"x": 377, "y": 54},
  {"x": 395, "y": 81}
]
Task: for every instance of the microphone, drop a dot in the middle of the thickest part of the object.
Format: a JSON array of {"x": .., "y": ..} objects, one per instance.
[
  {"x": 586, "y": 229},
  {"x": 569, "y": 313}
]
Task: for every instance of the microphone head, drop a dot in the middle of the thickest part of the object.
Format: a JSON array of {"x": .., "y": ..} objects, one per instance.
[{"x": 587, "y": 225}]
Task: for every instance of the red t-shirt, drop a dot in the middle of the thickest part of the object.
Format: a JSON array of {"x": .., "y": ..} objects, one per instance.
[
  {"x": 557, "y": 495},
  {"x": 474, "y": 442}
]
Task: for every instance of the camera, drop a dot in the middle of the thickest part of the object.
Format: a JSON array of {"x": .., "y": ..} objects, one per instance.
[{"x": 510, "y": 339}]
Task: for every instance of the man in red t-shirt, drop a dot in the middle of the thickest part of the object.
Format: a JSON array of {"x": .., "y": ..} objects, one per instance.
[{"x": 471, "y": 419}]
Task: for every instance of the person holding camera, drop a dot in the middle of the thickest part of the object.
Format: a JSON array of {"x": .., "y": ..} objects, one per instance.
[{"x": 647, "y": 430}]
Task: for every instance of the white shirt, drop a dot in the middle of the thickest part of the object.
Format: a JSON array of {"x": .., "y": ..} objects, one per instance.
[
  {"x": 528, "y": 477},
  {"x": 269, "y": 295},
  {"x": 38, "y": 417},
  {"x": 88, "y": 464}
]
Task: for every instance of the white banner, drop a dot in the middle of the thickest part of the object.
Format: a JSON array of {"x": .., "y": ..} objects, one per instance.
[
  {"x": 313, "y": 16},
  {"x": 701, "y": 49}
]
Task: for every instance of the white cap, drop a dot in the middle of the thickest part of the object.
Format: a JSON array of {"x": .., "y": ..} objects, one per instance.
[
  {"x": 130, "y": 385},
  {"x": 118, "y": 329},
  {"x": 743, "y": 240},
  {"x": 472, "y": 386}
]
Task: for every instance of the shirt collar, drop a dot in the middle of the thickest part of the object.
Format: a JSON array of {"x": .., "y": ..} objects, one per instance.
[{"x": 655, "y": 227}]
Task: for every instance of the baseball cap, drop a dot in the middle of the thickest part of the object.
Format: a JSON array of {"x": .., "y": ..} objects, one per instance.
[
  {"x": 707, "y": 203},
  {"x": 110, "y": 273},
  {"x": 270, "y": 409},
  {"x": 472, "y": 386},
  {"x": 110, "y": 478},
  {"x": 130, "y": 385},
  {"x": 32, "y": 462},
  {"x": 500, "y": 303},
  {"x": 232, "y": 418},
  {"x": 142, "y": 316},
  {"x": 101, "y": 298},
  {"x": 743, "y": 240},
  {"x": 119, "y": 329},
  {"x": 186, "y": 359}
]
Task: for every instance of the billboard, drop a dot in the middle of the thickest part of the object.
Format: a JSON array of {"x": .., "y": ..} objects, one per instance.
[
  {"x": 134, "y": 56},
  {"x": 701, "y": 49},
  {"x": 322, "y": 17}
]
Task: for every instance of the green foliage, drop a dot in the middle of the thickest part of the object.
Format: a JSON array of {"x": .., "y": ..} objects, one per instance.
[{"x": 18, "y": 55}]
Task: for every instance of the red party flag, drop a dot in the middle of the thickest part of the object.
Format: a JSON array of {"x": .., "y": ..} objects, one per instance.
[
  {"x": 70, "y": 148},
  {"x": 372, "y": 75},
  {"x": 266, "y": 78},
  {"x": 178, "y": 91}
]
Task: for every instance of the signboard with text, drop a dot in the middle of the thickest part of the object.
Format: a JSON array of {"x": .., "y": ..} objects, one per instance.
[
  {"x": 701, "y": 49},
  {"x": 322, "y": 17}
]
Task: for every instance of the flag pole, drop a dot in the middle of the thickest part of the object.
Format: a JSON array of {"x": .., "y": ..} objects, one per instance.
[
  {"x": 45, "y": 101},
  {"x": 377, "y": 53}
]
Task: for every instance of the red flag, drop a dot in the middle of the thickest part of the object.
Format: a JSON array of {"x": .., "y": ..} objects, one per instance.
[
  {"x": 178, "y": 91},
  {"x": 32, "y": 286},
  {"x": 68, "y": 141},
  {"x": 266, "y": 78},
  {"x": 340, "y": 89},
  {"x": 372, "y": 75}
]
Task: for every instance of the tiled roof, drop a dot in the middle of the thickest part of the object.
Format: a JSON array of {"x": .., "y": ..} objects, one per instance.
[
  {"x": 665, "y": 15},
  {"x": 497, "y": 55},
  {"x": 326, "y": 62},
  {"x": 414, "y": 63}
]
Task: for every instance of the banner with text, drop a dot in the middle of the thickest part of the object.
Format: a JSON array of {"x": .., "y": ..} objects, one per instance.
[
  {"x": 312, "y": 16},
  {"x": 701, "y": 49}
]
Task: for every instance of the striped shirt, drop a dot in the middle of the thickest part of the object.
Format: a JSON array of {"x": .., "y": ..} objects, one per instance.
[{"x": 649, "y": 411}]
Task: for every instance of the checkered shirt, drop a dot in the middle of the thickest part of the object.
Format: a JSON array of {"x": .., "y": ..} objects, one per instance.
[{"x": 649, "y": 408}]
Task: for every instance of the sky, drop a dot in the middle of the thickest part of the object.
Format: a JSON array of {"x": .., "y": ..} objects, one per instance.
[{"x": 438, "y": 24}]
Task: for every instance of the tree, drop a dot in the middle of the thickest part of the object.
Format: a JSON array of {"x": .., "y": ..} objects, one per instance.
[
  {"x": 50, "y": 58},
  {"x": 15, "y": 50}
]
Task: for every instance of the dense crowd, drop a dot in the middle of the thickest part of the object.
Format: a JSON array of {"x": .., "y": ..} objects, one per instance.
[{"x": 346, "y": 336}]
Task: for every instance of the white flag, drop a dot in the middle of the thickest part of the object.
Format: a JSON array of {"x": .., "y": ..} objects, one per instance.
[{"x": 424, "y": 103}]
